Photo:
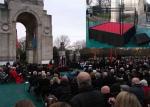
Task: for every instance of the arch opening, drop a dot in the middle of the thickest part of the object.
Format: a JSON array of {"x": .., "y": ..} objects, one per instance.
[{"x": 26, "y": 25}]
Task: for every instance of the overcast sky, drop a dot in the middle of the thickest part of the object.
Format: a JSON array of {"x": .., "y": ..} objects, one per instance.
[{"x": 68, "y": 18}]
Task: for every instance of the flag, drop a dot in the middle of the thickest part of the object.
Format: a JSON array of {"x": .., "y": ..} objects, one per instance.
[
  {"x": 17, "y": 42},
  {"x": 34, "y": 43}
]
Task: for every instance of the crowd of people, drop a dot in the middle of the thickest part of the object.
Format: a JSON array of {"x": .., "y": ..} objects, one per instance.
[{"x": 107, "y": 82}]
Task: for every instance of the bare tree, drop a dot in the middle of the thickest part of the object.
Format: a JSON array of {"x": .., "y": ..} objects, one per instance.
[{"x": 63, "y": 38}]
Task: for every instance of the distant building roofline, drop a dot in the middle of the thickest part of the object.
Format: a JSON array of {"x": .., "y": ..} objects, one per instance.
[{"x": 2, "y": 5}]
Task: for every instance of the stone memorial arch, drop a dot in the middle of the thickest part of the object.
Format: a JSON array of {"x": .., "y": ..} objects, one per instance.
[{"x": 38, "y": 30}]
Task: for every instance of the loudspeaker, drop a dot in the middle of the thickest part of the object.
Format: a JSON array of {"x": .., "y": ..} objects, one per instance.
[{"x": 142, "y": 38}]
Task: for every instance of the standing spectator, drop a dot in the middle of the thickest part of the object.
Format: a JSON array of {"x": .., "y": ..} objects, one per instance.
[
  {"x": 105, "y": 90},
  {"x": 33, "y": 80},
  {"x": 137, "y": 89},
  {"x": 7, "y": 68},
  {"x": 24, "y": 103},
  {"x": 63, "y": 91},
  {"x": 87, "y": 96},
  {"x": 146, "y": 89},
  {"x": 60, "y": 104},
  {"x": 50, "y": 100},
  {"x": 98, "y": 81},
  {"x": 126, "y": 99},
  {"x": 44, "y": 86}
]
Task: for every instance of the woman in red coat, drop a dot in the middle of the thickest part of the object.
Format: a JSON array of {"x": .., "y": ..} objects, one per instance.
[{"x": 15, "y": 76}]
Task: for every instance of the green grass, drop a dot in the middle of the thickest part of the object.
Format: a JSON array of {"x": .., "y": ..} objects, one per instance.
[{"x": 11, "y": 93}]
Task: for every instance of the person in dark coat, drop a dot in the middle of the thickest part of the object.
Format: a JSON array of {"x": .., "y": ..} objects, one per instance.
[
  {"x": 105, "y": 90},
  {"x": 137, "y": 90},
  {"x": 87, "y": 97},
  {"x": 63, "y": 91},
  {"x": 98, "y": 81},
  {"x": 146, "y": 89},
  {"x": 43, "y": 86},
  {"x": 33, "y": 81}
]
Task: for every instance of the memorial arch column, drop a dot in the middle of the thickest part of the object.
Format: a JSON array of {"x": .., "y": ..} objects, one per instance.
[
  {"x": 12, "y": 41},
  {"x": 39, "y": 44}
]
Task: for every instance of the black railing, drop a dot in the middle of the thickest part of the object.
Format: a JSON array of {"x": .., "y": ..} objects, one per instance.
[{"x": 99, "y": 15}]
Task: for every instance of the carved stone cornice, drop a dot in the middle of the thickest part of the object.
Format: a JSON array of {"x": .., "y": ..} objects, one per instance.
[{"x": 35, "y": 2}]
